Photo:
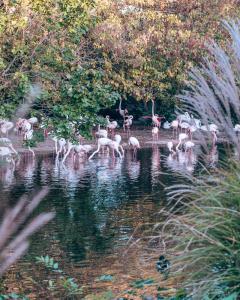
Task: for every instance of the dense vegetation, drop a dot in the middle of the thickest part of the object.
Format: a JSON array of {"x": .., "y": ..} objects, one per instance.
[
  {"x": 86, "y": 54},
  {"x": 203, "y": 234}
]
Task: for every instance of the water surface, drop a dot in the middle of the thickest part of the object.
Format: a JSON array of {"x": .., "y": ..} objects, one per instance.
[{"x": 98, "y": 203}]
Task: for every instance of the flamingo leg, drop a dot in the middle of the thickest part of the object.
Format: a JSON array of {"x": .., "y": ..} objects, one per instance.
[
  {"x": 119, "y": 153},
  {"x": 95, "y": 152},
  {"x": 29, "y": 148},
  {"x": 66, "y": 155}
]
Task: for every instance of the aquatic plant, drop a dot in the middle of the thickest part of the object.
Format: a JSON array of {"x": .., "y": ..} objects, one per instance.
[{"x": 62, "y": 283}]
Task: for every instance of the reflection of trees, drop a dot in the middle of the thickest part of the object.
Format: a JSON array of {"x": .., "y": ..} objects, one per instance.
[{"x": 86, "y": 197}]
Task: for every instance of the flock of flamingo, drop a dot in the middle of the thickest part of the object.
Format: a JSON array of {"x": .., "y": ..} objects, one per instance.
[{"x": 183, "y": 128}]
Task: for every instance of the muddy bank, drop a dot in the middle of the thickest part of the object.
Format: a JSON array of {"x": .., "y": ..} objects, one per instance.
[{"x": 144, "y": 135}]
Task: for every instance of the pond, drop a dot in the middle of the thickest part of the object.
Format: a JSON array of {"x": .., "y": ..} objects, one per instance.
[{"x": 98, "y": 203}]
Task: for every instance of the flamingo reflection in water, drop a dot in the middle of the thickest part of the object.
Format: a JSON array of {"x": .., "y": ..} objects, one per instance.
[
  {"x": 7, "y": 174},
  {"x": 182, "y": 161},
  {"x": 133, "y": 166},
  {"x": 26, "y": 168},
  {"x": 156, "y": 164}
]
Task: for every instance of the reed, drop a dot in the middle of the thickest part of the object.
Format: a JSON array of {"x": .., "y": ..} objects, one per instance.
[
  {"x": 201, "y": 234},
  {"x": 16, "y": 229}
]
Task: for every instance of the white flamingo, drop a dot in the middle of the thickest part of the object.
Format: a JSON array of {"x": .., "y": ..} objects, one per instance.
[
  {"x": 27, "y": 137},
  {"x": 184, "y": 118},
  {"x": 115, "y": 146},
  {"x": 87, "y": 148},
  {"x": 7, "y": 142},
  {"x": 33, "y": 120},
  {"x": 128, "y": 123},
  {"x": 188, "y": 145},
  {"x": 184, "y": 126},
  {"x": 102, "y": 142},
  {"x": 111, "y": 125},
  {"x": 134, "y": 143},
  {"x": 25, "y": 126},
  {"x": 191, "y": 130},
  {"x": 155, "y": 133},
  {"x": 122, "y": 112},
  {"x": 237, "y": 128},
  {"x": 181, "y": 138},
  {"x": 5, "y": 127},
  {"x": 6, "y": 152},
  {"x": 101, "y": 132},
  {"x": 170, "y": 146},
  {"x": 175, "y": 125},
  {"x": 166, "y": 125},
  {"x": 62, "y": 146}
]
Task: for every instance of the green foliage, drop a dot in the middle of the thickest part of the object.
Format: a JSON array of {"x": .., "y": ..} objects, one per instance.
[
  {"x": 83, "y": 95},
  {"x": 49, "y": 263},
  {"x": 105, "y": 278},
  {"x": 62, "y": 282},
  {"x": 13, "y": 296},
  {"x": 103, "y": 296},
  {"x": 210, "y": 230},
  {"x": 71, "y": 286},
  {"x": 141, "y": 283},
  {"x": 45, "y": 44},
  {"x": 37, "y": 137}
]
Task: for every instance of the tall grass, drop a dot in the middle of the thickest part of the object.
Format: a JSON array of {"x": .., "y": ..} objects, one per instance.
[
  {"x": 202, "y": 237},
  {"x": 201, "y": 234}
]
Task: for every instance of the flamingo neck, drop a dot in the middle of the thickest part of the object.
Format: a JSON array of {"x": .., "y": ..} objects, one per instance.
[
  {"x": 178, "y": 145},
  {"x": 120, "y": 105},
  {"x": 153, "y": 108}
]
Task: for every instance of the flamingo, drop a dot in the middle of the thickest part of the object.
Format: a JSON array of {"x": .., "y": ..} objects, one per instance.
[
  {"x": 122, "y": 112},
  {"x": 184, "y": 118},
  {"x": 213, "y": 129},
  {"x": 191, "y": 130},
  {"x": 155, "y": 132},
  {"x": 7, "y": 142},
  {"x": 7, "y": 153},
  {"x": 170, "y": 147},
  {"x": 101, "y": 143},
  {"x": 33, "y": 120},
  {"x": 62, "y": 146},
  {"x": 134, "y": 143},
  {"x": 87, "y": 148},
  {"x": 184, "y": 125},
  {"x": 237, "y": 128},
  {"x": 166, "y": 125},
  {"x": 101, "y": 132},
  {"x": 175, "y": 125},
  {"x": 196, "y": 122},
  {"x": 115, "y": 145},
  {"x": 111, "y": 125},
  {"x": 181, "y": 138},
  {"x": 25, "y": 126},
  {"x": 188, "y": 145},
  {"x": 70, "y": 146},
  {"x": 28, "y": 135},
  {"x": 128, "y": 123},
  {"x": 6, "y": 126},
  {"x": 155, "y": 118}
]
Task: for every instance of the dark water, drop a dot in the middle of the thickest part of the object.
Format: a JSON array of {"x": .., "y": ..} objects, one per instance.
[{"x": 98, "y": 203}]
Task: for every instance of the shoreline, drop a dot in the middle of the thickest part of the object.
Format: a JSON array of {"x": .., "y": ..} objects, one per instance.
[{"x": 143, "y": 135}]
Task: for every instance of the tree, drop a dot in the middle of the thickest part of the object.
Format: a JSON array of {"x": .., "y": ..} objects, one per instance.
[
  {"x": 147, "y": 47},
  {"x": 43, "y": 42}
]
